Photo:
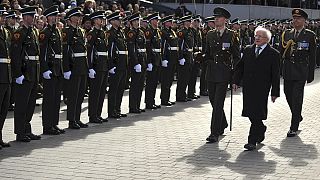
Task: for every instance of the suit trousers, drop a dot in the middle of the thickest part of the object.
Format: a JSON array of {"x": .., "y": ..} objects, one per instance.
[
  {"x": 117, "y": 84},
  {"x": 257, "y": 130},
  {"x": 183, "y": 79},
  {"x": 294, "y": 91},
  {"x": 136, "y": 88},
  {"x": 97, "y": 93},
  {"x": 51, "y": 101},
  {"x": 217, "y": 95},
  {"x": 167, "y": 76},
  {"x": 25, "y": 102},
  {"x": 203, "y": 81},
  {"x": 77, "y": 89},
  {"x": 4, "y": 104},
  {"x": 195, "y": 68}
]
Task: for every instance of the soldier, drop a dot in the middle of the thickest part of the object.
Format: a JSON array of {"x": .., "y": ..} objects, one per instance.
[
  {"x": 26, "y": 70},
  {"x": 153, "y": 39},
  {"x": 186, "y": 44},
  {"x": 299, "y": 56},
  {"x": 170, "y": 50},
  {"x": 222, "y": 52},
  {"x": 52, "y": 72},
  {"x": 203, "y": 83},
  {"x": 137, "y": 63},
  {"x": 5, "y": 72},
  {"x": 98, "y": 67},
  {"x": 75, "y": 66},
  {"x": 118, "y": 64}
]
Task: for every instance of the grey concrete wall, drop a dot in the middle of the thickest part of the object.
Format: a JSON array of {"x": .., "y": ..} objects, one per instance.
[{"x": 245, "y": 11}]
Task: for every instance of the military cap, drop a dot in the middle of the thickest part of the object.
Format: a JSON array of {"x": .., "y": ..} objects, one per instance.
[
  {"x": 145, "y": 19},
  {"x": 11, "y": 14},
  {"x": 51, "y": 11},
  {"x": 3, "y": 9},
  {"x": 114, "y": 16},
  {"x": 30, "y": 10},
  {"x": 197, "y": 17},
  {"x": 97, "y": 14},
  {"x": 186, "y": 18},
  {"x": 73, "y": 12},
  {"x": 153, "y": 16},
  {"x": 85, "y": 18},
  {"x": 221, "y": 12},
  {"x": 209, "y": 19},
  {"x": 297, "y": 12},
  {"x": 135, "y": 16},
  {"x": 167, "y": 18},
  {"x": 235, "y": 21}
]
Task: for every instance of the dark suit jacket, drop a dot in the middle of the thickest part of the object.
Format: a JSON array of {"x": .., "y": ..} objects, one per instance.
[{"x": 258, "y": 76}]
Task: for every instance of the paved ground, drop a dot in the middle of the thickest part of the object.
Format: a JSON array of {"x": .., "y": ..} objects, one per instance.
[{"x": 170, "y": 144}]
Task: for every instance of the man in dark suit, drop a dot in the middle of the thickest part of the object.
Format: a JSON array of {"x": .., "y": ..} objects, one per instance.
[
  {"x": 222, "y": 51},
  {"x": 259, "y": 70},
  {"x": 298, "y": 50}
]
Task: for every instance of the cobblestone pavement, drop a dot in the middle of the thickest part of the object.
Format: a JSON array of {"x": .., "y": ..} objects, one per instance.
[{"x": 169, "y": 143}]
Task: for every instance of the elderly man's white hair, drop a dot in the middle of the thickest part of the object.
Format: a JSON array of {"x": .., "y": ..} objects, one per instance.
[{"x": 266, "y": 31}]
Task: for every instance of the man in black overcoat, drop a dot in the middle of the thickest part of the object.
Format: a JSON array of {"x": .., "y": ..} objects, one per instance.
[{"x": 259, "y": 71}]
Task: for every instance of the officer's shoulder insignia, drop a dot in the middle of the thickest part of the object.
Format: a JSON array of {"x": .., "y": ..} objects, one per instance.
[
  {"x": 89, "y": 37},
  {"x": 180, "y": 34},
  {"x": 205, "y": 31},
  {"x": 64, "y": 36},
  {"x": 17, "y": 36},
  {"x": 130, "y": 34},
  {"x": 148, "y": 34},
  {"x": 310, "y": 31},
  {"x": 107, "y": 33},
  {"x": 42, "y": 36}
]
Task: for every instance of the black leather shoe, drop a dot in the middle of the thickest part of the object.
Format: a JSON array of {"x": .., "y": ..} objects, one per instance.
[
  {"x": 204, "y": 93},
  {"x": 103, "y": 119},
  {"x": 166, "y": 103},
  {"x": 22, "y": 138},
  {"x": 158, "y": 106},
  {"x": 114, "y": 116},
  {"x": 50, "y": 131},
  {"x": 62, "y": 131},
  {"x": 82, "y": 125},
  {"x": 188, "y": 99},
  {"x": 250, "y": 147},
  {"x": 4, "y": 144},
  {"x": 292, "y": 133},
  {"x": 123, "y": 115},
  {"x": 212, "y": 139},
  {"x": 134, "y": 111},
  {"x": 95, "y": 120},
  {"x": 142, "y": 110},
  {"x": 73, "y": 125},
  {"x": 261, "y": 138},
  {"x": 33, "y": 136},
  {"x": 148, "y": 106}
]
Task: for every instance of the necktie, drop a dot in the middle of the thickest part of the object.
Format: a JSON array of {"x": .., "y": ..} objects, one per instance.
[
  {"x": 258, "y": 48},
  {"x": 296, "y": 34}
]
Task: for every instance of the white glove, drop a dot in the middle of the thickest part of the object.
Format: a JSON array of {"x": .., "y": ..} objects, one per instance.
[
  {"x": 164, "y": 63},
  {"x": 46, "y": 74},
  {"x": 111, "y": 71},
  {"x": 92, "y": 73},
  {"x": 67, "y": 75},
  {"x": 182, "y": 61},
  {"x": 20, "y": 79},
  {"x": 137, "y": 67},
  {"x": 150, "y": 66}
]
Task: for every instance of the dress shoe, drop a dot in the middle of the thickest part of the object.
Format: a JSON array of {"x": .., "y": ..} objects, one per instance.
[
  {"x": 292, "y": 133},
  {"x": 166, "y": 103},
  {"x": 73, "y": 125},
  {"x": 261, "y": 138},
  {"x": 135, "y": 111},
  {"x": 212, "y": 139},
  {"x": 114, "y": 116},
  {"x": 95, "y": 120},
  {"x": 50, "y": 131},
  {"x": 4, "y": 144},
  {"x": 204, "y": 93},
  {"x": 142, "y": 110},
  {"x": 188, "y": 99},
  {"x": 148, "y": 106},
  {"x": 103, "y": 119},
  {"x": 250, "y": 147},
  {"x": 82, "y": 125},
  {"x": 158, "y": 106},
  {"x": 33, "y": 136},
  {"x": 22, "y": 138},
  {"x": 122, "y": 115},
  {"x": 62, "y": 131}
]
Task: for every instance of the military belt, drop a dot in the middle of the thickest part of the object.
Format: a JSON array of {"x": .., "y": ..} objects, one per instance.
[
  {"x": 122, "y": 52},
  {"x": 5, "y": 60},
  {"x": 102, "y": 53},
  {"x": 57, "y": 56},
  {"x": 141, "y": 50},
  {"x": 198, "y": 48},
  {"x": 32, "y": 58},
  {"x": 156, "y": 50},
  {"x": 79, "y": 54},
  {"x": 190, "y": 50},
  {"x": 173, "y": 48}
]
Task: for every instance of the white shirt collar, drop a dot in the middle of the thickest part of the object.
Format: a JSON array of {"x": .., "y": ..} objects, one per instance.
[{"x": 262, "y": 47}]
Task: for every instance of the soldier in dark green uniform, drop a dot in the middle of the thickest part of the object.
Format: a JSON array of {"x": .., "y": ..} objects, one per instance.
[
  {"x": 137, "y": 63},
  {"x": 170, "y": 50},
  {"x": 298, "y": 51},
  {"x": 26, "y": 71},
  {"x": 5, "y": 72},
  {"x": 186, "y": 44},
  {"x": 153, "y": 47},
  {"x": 203, "y": 83},
  {"x": 222, "y": 52},
  {"x": 98, "y": 67},
  {"x": 75, "y": 66},
  {"x": 52, "y": 71},
  {"x": 118, "y": 64}
]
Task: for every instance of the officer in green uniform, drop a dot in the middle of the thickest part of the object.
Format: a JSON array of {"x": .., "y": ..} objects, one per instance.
[
  {"x": 26, "y": 71},
  {"x": 170, "y": 50},
  {"x": 298, "y": 49},
  {"x": 75, "y": 66},
  {"x": 98, "y": 67},
  {"x": 5, "y": 72},
  {"x": 52, "y": 72},
  {"x": 153, "y": 47},
  {"x": 186, "y": 58},
  {"x": 137, "y": 63},
  {"x": 118, "y": 64},
  {"x": 222, "y": 53}
]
